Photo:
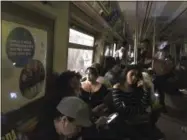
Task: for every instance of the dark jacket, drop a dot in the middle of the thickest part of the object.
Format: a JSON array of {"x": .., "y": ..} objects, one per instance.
[
  {"x": 94, "y": 99},
  {"x": 128, "y": 104}
]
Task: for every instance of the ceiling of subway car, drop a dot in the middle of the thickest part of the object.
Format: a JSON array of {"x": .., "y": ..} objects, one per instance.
[{"x": 170, "y": 18}]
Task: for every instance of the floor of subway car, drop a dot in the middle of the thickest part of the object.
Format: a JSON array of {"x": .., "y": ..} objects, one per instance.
[
  {"x": 174, "y": 123},
  {"x": 171, "y": 129}
]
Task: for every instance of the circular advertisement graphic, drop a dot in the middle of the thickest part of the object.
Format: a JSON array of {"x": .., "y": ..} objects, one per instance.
[
  {"x": 32, "y": 79},
  {"x": 20, "y": 46}
]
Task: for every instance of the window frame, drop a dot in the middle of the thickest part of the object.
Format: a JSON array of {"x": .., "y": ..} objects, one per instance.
[{"x": 79, "y": 46}]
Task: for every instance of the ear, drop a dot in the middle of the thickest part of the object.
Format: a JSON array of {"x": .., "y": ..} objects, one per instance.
[{"x": 64, "y": 121}]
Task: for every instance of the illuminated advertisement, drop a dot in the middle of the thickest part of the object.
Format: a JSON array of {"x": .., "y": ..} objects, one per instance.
[{"x": 23, "y": 62}]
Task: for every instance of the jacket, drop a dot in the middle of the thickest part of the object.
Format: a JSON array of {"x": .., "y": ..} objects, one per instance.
[{"x": 128, "y": 105}]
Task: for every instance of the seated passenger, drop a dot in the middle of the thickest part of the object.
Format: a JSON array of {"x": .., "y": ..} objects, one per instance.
[
  {"x": 69, "y": 82},
  {"x": 71, "y": 121},
  {"x": 65, "y": 84},
  {"x": 129, "y": 98},
  {"x": 93, "y": 92}
]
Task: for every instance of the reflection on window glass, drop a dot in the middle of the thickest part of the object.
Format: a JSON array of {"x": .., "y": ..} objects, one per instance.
[
  {"x": 114, "y": 49},
  {"x": 109, "y": 51},
  {"x": 79, "y": 59},
  {"x": 77, "y": 37}
]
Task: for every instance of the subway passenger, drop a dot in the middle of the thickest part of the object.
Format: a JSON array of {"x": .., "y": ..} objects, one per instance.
[
  {"x": 113, "y": 75},
  {"x": 70, "y": 121},
  {"x": 131, "y": 92},
  {"x": 163, "y": 69},
  {"x": 130, "y": 100},
  {"x": 61, "y": 85},
  {"x": 143, "y": 53},
  {"x": 108, "y": 63},
  {"x": 93, "y": 92},
  {"x": 69, "y": 82},
  {"x": 121, "y": 54}
]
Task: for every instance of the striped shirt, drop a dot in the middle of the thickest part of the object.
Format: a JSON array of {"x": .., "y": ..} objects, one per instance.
[{"x": 129, "y": 104}]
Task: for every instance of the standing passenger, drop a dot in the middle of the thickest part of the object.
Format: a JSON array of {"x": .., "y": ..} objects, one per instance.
[
  {"x": 113, "y": 75},
  {"x": 109, "y": 62}
]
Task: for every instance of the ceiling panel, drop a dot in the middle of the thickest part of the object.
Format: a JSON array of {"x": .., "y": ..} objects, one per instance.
[{"x": 165, "y": 12}]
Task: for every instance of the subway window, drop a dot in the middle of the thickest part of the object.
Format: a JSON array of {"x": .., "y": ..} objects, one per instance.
[
  {"x": 114, "y": 49},
  {"x": 80, "y": 51},
  {"x": 79, "y": 59},
  {"x": 77, "y": 37},
  {"x": 109, "y": 50}
]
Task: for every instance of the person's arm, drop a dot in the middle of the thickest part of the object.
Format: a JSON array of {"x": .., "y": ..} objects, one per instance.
[{"x": 132, "y": 106}]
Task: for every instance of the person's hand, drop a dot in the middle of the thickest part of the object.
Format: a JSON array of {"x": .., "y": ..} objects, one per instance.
[
  {"x": 101, "y": 121},
  {"x": 140, "y": 83},
  {"x": 144, "y": 85},
  {"x": 98, "y": 108}
]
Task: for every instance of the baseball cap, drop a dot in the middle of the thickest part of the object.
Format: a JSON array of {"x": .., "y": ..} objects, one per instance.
[{"x": 75, "y": 108}]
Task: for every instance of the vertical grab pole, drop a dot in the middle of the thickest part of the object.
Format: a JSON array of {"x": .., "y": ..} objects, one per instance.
[
  {"x": 136, "y": 37},
  {"x": 154, "y": 41}
]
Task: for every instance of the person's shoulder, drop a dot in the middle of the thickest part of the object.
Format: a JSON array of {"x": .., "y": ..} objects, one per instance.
[{"x": 100, "y": 79}]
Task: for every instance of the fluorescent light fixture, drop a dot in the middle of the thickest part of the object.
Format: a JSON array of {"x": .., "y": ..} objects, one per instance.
[
  {"x": 156, "y": 94},
  {"x": 77, "y": 37}
]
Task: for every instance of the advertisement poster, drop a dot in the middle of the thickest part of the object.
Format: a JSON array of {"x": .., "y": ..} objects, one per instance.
[{"x": 23, "y": 58}]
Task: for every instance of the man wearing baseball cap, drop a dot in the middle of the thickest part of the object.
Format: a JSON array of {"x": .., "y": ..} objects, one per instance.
[{"x": 73, "y": 116}]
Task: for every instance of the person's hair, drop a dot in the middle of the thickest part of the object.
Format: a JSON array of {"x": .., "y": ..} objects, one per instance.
[
  {"x": 92, "y": 71},
  {"x": 145, "y": 41},
  {"x": 63, "y": 81},
  {"x": 109, "y": 62},
  {"x": 97, "y": 66},
  {"x": 125, "y": 43},
  {"x": 127, "y": 69},
  {"x": 116, "y": 69}
]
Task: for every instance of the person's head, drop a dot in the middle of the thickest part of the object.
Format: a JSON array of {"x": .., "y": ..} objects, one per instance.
[
  {"x": 144, "y": 43},
  {"x": 109, "y": 62},
  {"x": 69, "y": 81},
  {"x": 131, "y": 75},
  {"x": 92, "y": 74},
  {"x": 72, "y": 114},
  {"x": 125, "y": 43},
  {"x": 116, "y": 69},
  {"x": 97, "y": 66}
]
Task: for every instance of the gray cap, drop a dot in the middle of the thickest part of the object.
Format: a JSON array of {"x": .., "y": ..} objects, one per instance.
[{"x": 75, "y": 108}]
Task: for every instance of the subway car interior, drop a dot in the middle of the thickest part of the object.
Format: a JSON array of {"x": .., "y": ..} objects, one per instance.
[{"x": 126, "y": 61}]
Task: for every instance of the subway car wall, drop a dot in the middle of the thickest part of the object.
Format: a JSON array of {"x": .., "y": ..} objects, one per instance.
[{"x": 22, "y": 105}]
